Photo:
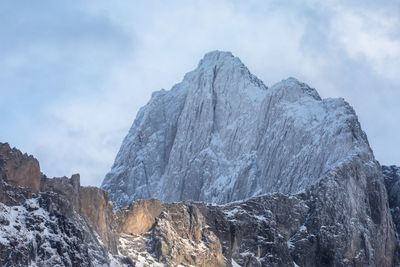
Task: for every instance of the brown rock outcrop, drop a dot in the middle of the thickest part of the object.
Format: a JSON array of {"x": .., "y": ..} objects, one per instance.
[
  {"x": 91, "y": 202},
  {"x": 139, "y": 217},
  {"x": 21, "y": 179},
  {"x": 19, "y": 169},
  {"x": 97, "y": 209},
  {"x": 182, "y": 235},
  {"x": 171, "y": 233},
  {"x": 256, "y": 232}
]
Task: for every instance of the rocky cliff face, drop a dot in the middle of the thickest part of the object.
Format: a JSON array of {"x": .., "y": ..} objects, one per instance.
[
  {"x": 321, "y": 227},
  {"x": 52, "y": 222},
  {"x": 392, "y": 182},
  {"x": 221, "y": 135},
  {"x": 44, "y": 231},
  {"x": 19, "y": 169},
  {"x": 95, "y": 206}
]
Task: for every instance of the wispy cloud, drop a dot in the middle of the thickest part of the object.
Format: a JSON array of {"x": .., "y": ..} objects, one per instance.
[{"x": 73, "y": 77}]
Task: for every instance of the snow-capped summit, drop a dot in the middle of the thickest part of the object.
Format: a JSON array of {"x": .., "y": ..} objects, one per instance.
[
  {"x": 213, "y": 57},
  {"x": 221, "y": 135},
  {"x": 292, "y": 89}
]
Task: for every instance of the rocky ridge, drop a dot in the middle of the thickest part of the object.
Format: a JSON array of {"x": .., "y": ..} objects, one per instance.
[
  {"x": 19, "y": 169},
  {"x": 50, "y": 222}
]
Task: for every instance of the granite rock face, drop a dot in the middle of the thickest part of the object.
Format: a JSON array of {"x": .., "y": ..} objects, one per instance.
[
  {"x": 350, "y": 219},
  {"x": 392, "y": 182},
  {"x": 221, "y": 135}
]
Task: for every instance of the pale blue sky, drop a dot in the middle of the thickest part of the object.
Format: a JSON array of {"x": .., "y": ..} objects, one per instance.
[{"x": 74, "y": 73}]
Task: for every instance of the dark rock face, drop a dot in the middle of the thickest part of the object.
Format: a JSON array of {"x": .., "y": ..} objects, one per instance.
[
  {"x": 47, "y": 232},
  {"x": 350, "y": 219},
  {"x": 257, "y": 232},
  {"x": 68, "y": 187},
  {"x": 392, "y": 182},
  {"x": 11, "y": 195}
]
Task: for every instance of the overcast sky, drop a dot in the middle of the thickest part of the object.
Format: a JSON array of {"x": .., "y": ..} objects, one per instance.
[{"x": 74, "y": 73}]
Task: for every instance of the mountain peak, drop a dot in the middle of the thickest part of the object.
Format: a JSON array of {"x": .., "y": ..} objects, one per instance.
[
  {"x": 221, "y": 59},
  {"x": 216, "y": 56},
  {"x": 291, "y": 89},
  {"x": 221, "y": 135},
  {"x": 222, "y": 71}
]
